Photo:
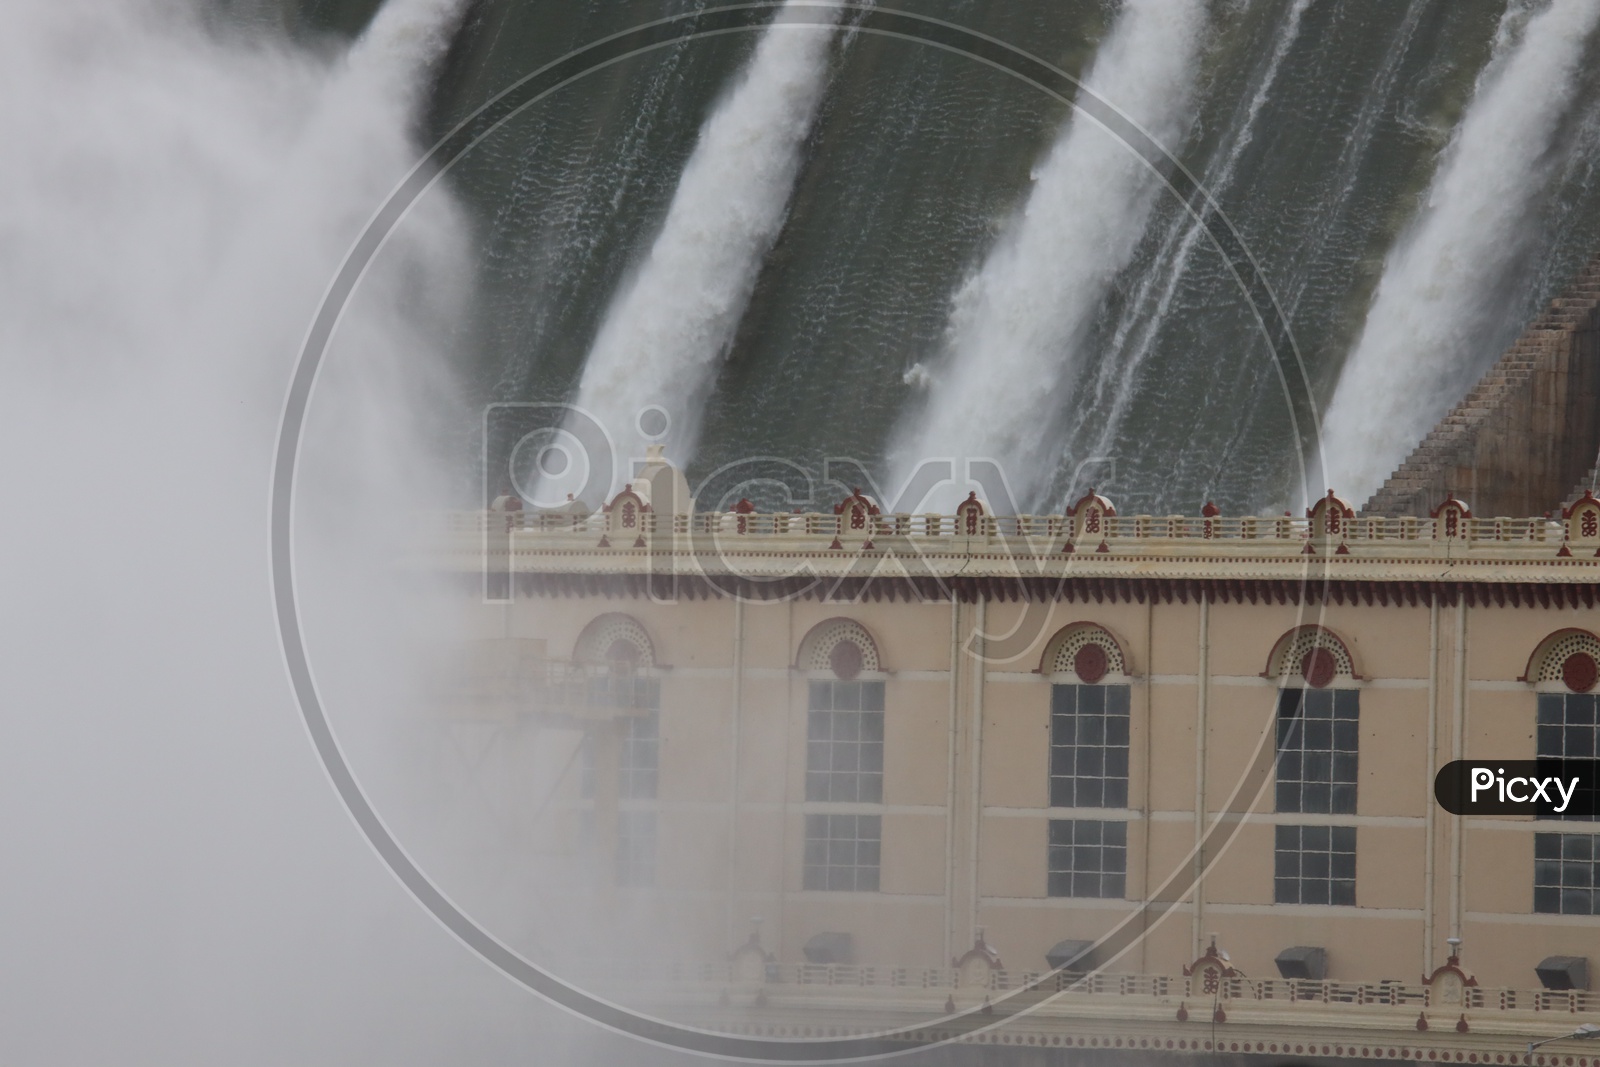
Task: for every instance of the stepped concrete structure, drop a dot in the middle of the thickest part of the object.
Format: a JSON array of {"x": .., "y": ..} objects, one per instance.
[{"x": 1520, "y": 442}]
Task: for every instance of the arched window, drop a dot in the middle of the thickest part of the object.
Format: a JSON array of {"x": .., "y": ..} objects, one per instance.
[
  {"x": 1318, "y": 764},
  {"x": 619, "y": 658},
  {"x": 1084, "y": 653},
  {"x": 1565, "y": 661},
  {"x": 1566, "y": 866},
  {"x": 1562, "y": 668},
  {"x": 1089, "y": 737},
  {"x": 1313, "y": 657},
  {"x": 844, "y": 755},
  {"x": 613, "y": 639},
  {"x": 841, "y": 647}
]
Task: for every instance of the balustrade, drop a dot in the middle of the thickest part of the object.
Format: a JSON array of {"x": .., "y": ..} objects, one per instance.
[
  {"x": 1405, "y": 1000},
  {"x": 756, "y": 525}
]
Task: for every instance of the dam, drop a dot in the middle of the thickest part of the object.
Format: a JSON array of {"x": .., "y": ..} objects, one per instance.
[{"x": 1524, "y": 440}]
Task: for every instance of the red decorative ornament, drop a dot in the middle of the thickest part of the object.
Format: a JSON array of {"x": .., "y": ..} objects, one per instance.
[
  {"x": 1580, "y": 672},
  {"x": 1090, "y": 664},
  {"x": 969, "y": 514},
  {"x": 845, "y": 659},
  {"x": 1318, "y": 668}
]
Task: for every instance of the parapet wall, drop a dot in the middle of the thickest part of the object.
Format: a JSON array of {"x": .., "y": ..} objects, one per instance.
[{"x": 1527, "y": 434}]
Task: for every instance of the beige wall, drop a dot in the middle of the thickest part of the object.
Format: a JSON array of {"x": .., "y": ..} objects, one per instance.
[{"x": 924, "y": 905}]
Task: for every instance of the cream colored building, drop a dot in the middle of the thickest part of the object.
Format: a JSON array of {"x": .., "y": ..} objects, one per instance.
[{"x": 926, "y": 732}]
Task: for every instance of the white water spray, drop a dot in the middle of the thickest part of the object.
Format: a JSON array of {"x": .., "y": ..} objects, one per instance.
[
  {"x": 173, "y": 206},
  {"x": 1422, "y": 344},
  {"x": 1017, "y": 325},
  {"x": 1136, "y": 334},
  {"x": 670, "y": 325}
]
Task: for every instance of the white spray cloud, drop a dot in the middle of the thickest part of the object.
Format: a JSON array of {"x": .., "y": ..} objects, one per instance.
[
  {"x": 1421, "y": 345},
  {"x": 1135, "y": 336},
  {"x": 182, "y": 885},
  {"x": 1018, "y": 323},
  {"x": 670, "y": 325}
]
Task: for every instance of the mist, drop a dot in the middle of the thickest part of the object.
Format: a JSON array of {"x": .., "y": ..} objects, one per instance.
[{"x": 183, "y": 886}]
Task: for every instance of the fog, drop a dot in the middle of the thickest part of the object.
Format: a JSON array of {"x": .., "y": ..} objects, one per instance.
[{"x": 182, "y": 885}]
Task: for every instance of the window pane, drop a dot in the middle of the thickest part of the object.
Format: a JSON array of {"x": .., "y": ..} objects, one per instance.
[
  {"x": 872, "y": 756},
  {"x": 1318, "y": 750},
  {"x": 1343, "y": 801},
  {"x": 842, "y": 852},
  {"x": 1089, "y": 731},
  {"x": 844, "y": 753},
  {"x": 1086, "y": 858},
  {"x": 1117, "y": 726},
  {"x": 1577, "y": 902},
  {"x": 1567, "y": 730},
  {"x": 1315, "y": 865}
]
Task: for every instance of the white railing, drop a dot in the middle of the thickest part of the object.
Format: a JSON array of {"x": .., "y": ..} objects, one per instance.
[
  {"x": 1284, "y": 530},
  {"x": 1237, "y": 990}
]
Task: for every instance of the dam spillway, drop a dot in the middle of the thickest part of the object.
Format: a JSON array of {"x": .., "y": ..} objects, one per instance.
[{"x": 1523, "y": 439}]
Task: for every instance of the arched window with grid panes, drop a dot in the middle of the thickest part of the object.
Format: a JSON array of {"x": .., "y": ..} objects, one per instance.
[
  {"x": 1318, "y": 726},
  {"x": 619, "y": 661},
  {"x": 1563, "y": 672},
  {"x": 844, "y": 756},
  {"x": 1089, "y": 741}
]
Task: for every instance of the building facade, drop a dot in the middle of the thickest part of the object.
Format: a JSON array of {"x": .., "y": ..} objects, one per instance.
[{"x": 926, "y": 733}]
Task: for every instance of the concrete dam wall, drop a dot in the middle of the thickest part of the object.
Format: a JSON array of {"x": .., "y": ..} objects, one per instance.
[{"x": 1523, "y": 441}]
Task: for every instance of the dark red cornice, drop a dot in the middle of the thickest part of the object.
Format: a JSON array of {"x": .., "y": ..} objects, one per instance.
[{"x": 1073, "y": 589}]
